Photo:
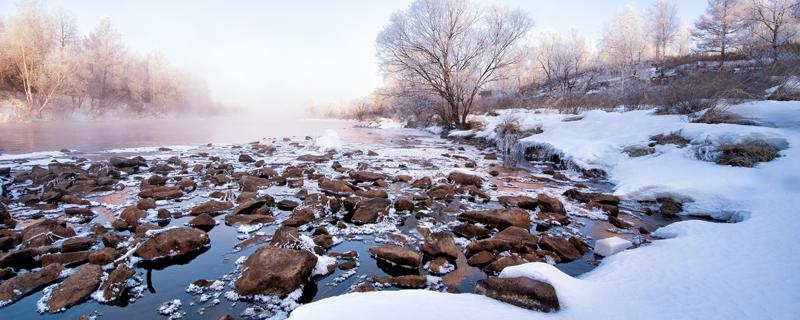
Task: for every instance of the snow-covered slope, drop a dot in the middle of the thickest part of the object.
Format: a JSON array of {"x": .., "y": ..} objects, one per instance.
[{"x": 700, "y": 270}]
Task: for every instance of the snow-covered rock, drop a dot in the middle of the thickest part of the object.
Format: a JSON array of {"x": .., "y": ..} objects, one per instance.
[{"x": 609, "y": 246}]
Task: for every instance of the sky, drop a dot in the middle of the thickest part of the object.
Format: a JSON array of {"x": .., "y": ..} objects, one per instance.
[{"x": 281, "y": 56}]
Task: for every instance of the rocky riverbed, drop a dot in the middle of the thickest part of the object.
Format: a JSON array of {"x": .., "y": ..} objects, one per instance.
[{"x": 254, "y": 230}]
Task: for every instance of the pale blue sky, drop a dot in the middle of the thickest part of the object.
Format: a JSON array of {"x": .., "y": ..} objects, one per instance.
[{"x": 279, "y": 55}]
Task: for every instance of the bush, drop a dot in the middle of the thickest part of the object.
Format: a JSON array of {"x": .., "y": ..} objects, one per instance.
[
  {"x": 671, "y": 138},
  {"x": 746, "y": 153}
]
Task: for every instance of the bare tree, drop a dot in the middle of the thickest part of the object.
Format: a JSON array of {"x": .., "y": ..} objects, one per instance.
[
  {"x": 451, "y": 48},
  {"x": 65, "y": 28},
  {"x": 106, "y": 54},
  {"x": 774, "y": 23},
  {"x": 562, "y": 60},
  {"x": 719, "y": 29},
  {"x": 624, "y": 43},
  {"x": 663, "y": 28}
]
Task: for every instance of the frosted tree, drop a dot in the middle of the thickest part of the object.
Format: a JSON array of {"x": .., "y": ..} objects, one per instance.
[
  {"x": 106, "y": 53},
  {"x": 719, "y": 29},
  {"x": 774, "y": 23},
  {"x": 65, "y": 28},
  {"x": 624, "y": 45},
  {"x": 562, "y": 59},
  {"x": 663, "y": 27},
  {"x": 451, "y": 48}
]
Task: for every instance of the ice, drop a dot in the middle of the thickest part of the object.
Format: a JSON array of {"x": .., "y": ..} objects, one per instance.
[
  {"x": 329, "y": 141},
  {"x": 609, "y": 246}
]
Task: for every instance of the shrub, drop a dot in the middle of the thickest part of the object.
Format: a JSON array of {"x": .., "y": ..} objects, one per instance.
[
  {"x": 746, "y": 153},
  {"x": 671, "y": 138}
]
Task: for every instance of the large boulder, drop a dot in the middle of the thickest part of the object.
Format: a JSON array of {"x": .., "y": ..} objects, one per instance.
[
  {"x": 499, "y": 218},
  {"x": 274, "y": 270},
  {"x": 465, "y": 179},
  {"x": 367, "y": 211},
  {"x": 521, "y": 291},
  {"x": 397, "y": 255},
  {"x": 76, "y": 288},
  {"x": 172, "y": 243},
  {"x": 440, "y": 244},
  {"x": 24, "y": 284}
]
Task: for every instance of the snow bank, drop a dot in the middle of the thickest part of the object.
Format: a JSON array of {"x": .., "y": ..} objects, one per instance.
[{"x": 699, "y": 270}]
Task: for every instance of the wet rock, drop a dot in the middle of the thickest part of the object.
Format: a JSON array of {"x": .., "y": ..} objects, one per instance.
[
  {"x": 366, "y": 176},
  {"x": 252, "y": 184},
  {"x": 315, "y": 158},
  {"x": 287, "y": 204},
  {"x": 120, "y": 162},
  {"x": 24, "y": 284},
  {"x": 397, "y": 255},
  {"x": 520, "y": 291},
  {"x": 111, "y": 240},
  {"x": 481, "y": 258},
  {"x": 146, "y": 203},
  {"x": 440, "y": 244},
  {"x": 324, "y": 241},
  {"x": 565, "y": 250},
  {"x": 369, "y": 210},
  {"x": 70, "y": 199},
  {"x": 403, "y": 204},
  {"x": 234, "y": 219},
  {"x": 163, "y": 216},
  {"x": 83, "y": 213},
  {"x": 76, "y": 288},
  {"x": 286, "y": 237},
  {"x": 363, "y": 287},
  {"x": 335, "y": 187},
  {"x": 442, "y": 192},
  {"x": 498, "y": 265},
  {"x": 440, "y": 266},
  {"x": 619, "y": 223},
  {"x": 212, "y": 208},
  {"x": 471, "y": 231},
  {"x": 550, "y": 204},
  {"x": 203, "y": 222},
  {"x": 372, "y": 193},
  {"x": 246, "y": 158},
  {"x": 274, "y": 270},
  {"x": 66, "y": 259},
  {"x": 172, "y": 243},
  {"x": 46, "y": 232},
  {"x": 591, "y": 197},
  {"x": 523, "y": 202},
  {"x": 77, "y": 244},
  {"x": 499, "y": 218},
  {"x": 422, "y": 183},
  {"x": 103, "y": 256},
  {"x": 132, "y": 215},
  {"x": 162, "y": 193},
  {"x": 299, "y": 217},
  {"x": 19, "y": 257},
  {"x": 347, "y": 265},
  {"x": 406, "y": 281},
  {"x": 512, "y": 239},
  {"x": 157, "y": 180},
  {"x": 465, "y": 179},
  {"x": 670, "y": 208},
  {"x": 294, "y": 183},
  {"x": 250, "y": 207},
  {"x": 114, "y": 286}
]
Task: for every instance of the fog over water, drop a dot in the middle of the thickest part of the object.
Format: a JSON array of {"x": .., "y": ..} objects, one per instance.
[{"x": 98, "y": 135}]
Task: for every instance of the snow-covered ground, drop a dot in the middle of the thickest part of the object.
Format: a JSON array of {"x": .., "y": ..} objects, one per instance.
[{"x": 699, "y": 270}]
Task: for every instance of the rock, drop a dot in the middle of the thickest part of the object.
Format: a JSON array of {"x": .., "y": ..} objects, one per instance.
[
  {"x": 245, "y": 158},
  {"x": 115, "y": 284},
  {"x": 481, "y": 258},
  {"x": 234, "y": 219},
  {"x": 372, "y": 193},
  {"x": 471, "y": 231},
  {"x": 252, "y": 184},
  {"x": 523, "y": 202},
  {"x": 77, "y": 244},
  {"x": 369, "y": 210},
  {"x": 287, "y": 204},
  {"x": 111, "y": 240},
  {"x": 103, "y": 256},
  {"x": 520, "y": 291},
  {"x": 465, "y": 179},
  {"x": 499, "y": 218},
  {"x": 335, "y": 187},
  {"x": 299, "y": 217},
  {"x": 132, "y": 215},
  {"x": 203, "y": 222},
  {"x": 591, "y": 197},
  {"x": 67, "y": 259},
  {"x": 249, "y": 207},
  {"x": 397, "y": 255},
  {"x": 315, "y": 158},
  {"x": 363, "y": 287},
  {"x": 498, "y": 265},
  {"x": 669, "y": 208},
  {"x": 440, "y": 244},
  {"x": 512, "y": 239},
  {"x": 212, "y": 208},
  {"x": 403, "y": 204},
  {"x": 172, "y": 242},
  {"x": 407, "y": 281},
  {"x": 45, "y": 232},
  {"x": 162, "y": 193},
  {"x": 619, "y": 223},
  {"x": 24, "y": 284},
  {"x": 286, "y": 237},
  {"x": 366, "y": 176},
  {"x": 120, "y": 162},
  {"x": 76, "y": 288},
  {"x": 157, "y": 180},
  {"x": 294, "y": 183},
  {"x": 70, "y": 199},
  {"x": 440, "y": 266},
  {"x": 550, "y": 204},
  {"x": 274, "y": 270},
  {"x": 146, "y": 203},
  {"x": 85, "y": 213},
  {"x": 422, "y": 183},
  {"x": 560, "y": 246},
  {"x": 442, "y": 192}
]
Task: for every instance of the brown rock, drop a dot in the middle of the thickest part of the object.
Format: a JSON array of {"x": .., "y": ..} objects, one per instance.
[
  {"x": 116, "y": 283},
  {"x": 422, "y": 183},
  {"x": 397, "y": 255},
  {"x": 481, "y": 258},
  {"x": 287, "y": 204},
  {"x": 403, "y": 204},
  {"x": 550, "y": 204},
  {"x": 66, "y": 259},
  {"x": 372, "y": 193},
  {"x": 45, "y": 232},
  {"x": 203, "y": 222},
  {"x": 77, "y": 244},
  {"x": 440, "y": 244},
  {"x": 366, "y": 176},
  {"x": 299, "y": 217},
  {"x": 499, "y": 218},
  {"x": 560, "y": 246},
  {"x": 76, "y": 288},
  {"x": 24, "y": 284},
  {"x": 274, "y": 270},
  {"x": 234, "y": 219},
  {"x": 335, "y": 187},
  {"x": 173, "y": 242},
  {"x": 211, "y": 207},
  {"x": 503, "y": 262},
  {"x": 369, "y": 210},
  {"x": 146, "y": 203},
  {"x": 465, "y": 179},
  {"x": 103, "y": 256},
  {"x": 523, "y": 202},
  {"x": 407, "y": 281},
  {"x": 162, "y": 193},
  {"x": 521, "y": 291}
]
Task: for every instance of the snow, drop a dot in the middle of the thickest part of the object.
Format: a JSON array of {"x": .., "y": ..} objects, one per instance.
[
  {"x": 609, "y": 246},
  {"x": 696, "y": 270},
  {"x": 329, "y": 141}
]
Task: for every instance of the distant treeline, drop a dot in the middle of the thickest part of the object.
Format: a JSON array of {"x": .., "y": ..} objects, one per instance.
[{"x": 48, "y": 69}]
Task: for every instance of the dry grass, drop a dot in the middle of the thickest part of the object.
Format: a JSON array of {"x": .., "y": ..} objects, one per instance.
[
  {"x": 509, "y": 126},
  {"x": 746, "y": 153},
  {"x": 671, "y": 138},
  {"x": 636, "y": 151}
]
